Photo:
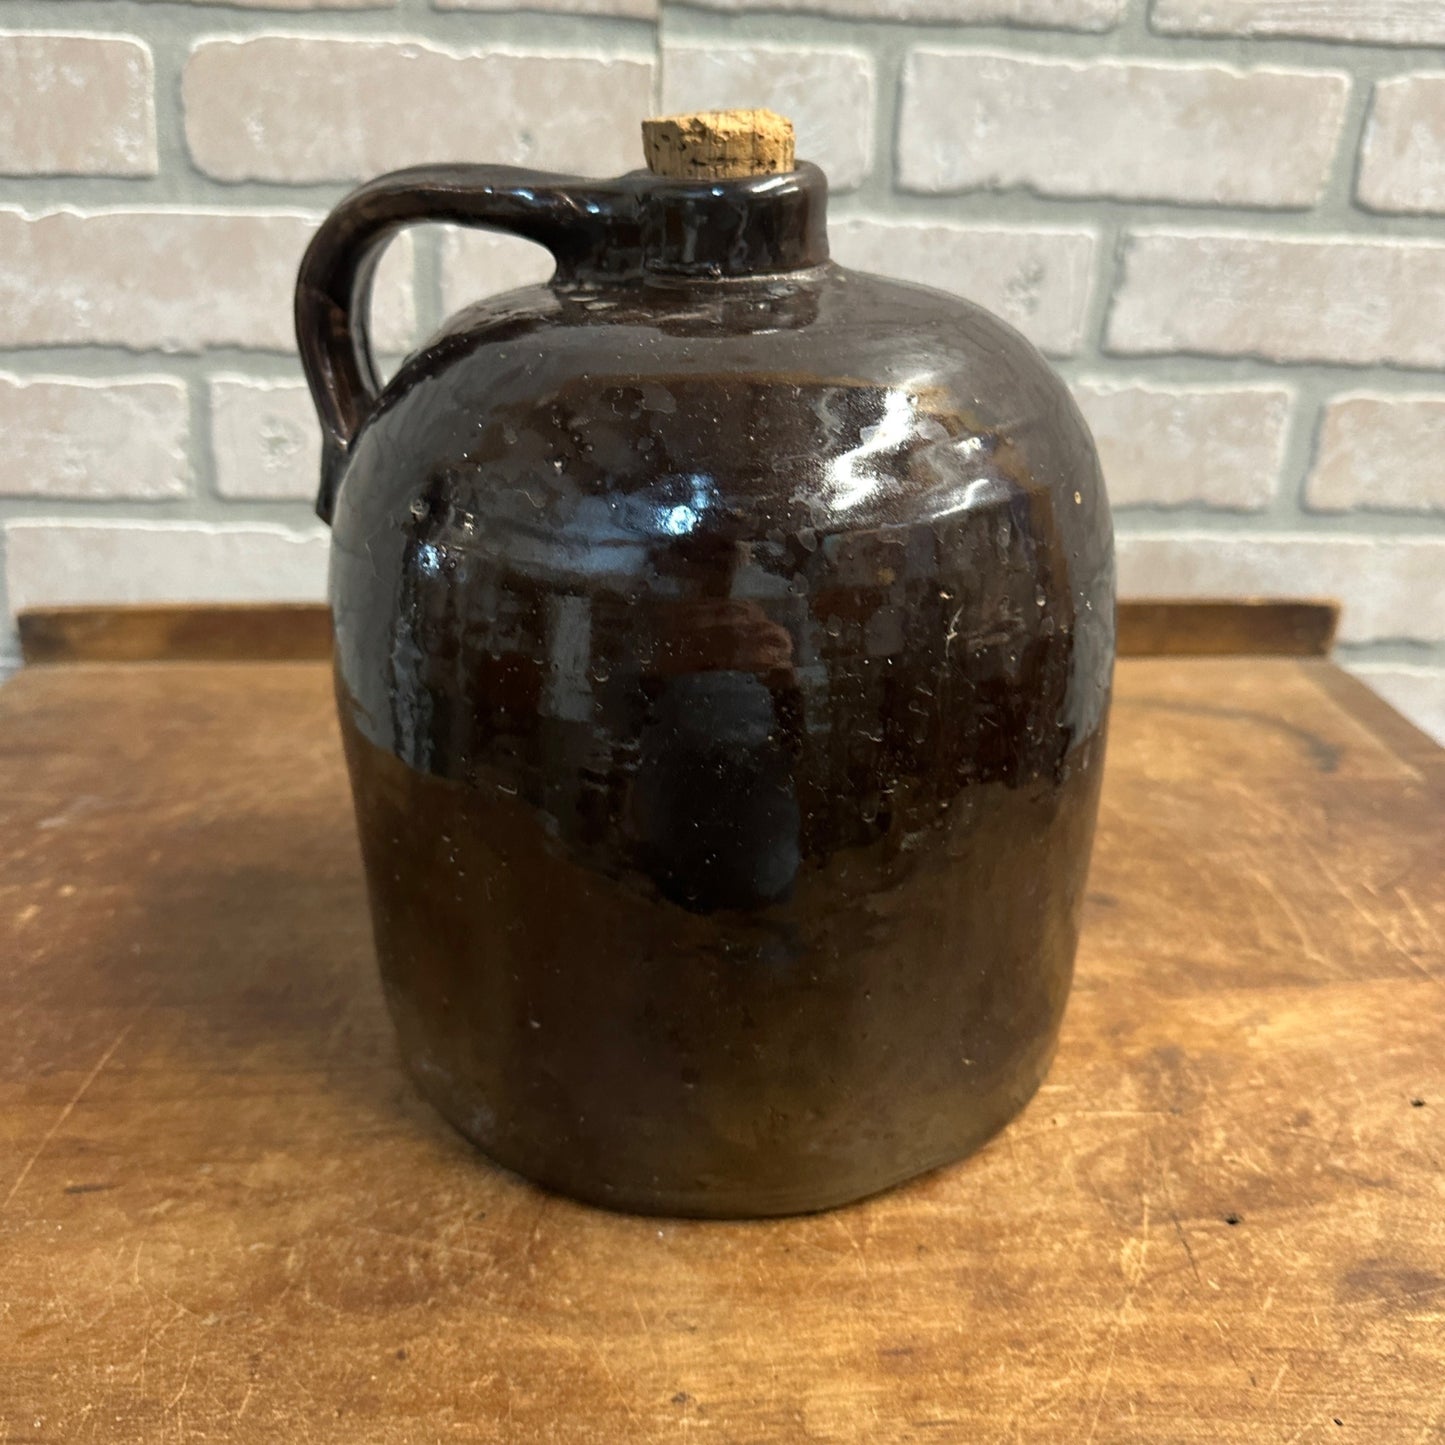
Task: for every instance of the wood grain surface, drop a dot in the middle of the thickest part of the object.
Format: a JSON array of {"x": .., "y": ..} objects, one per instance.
[
  {"x": 1258, "y": 628},
  {"x": 224, "y": 1215},
  {"x": 293, "y": 632},
  {"x": 177, "y": 632}
]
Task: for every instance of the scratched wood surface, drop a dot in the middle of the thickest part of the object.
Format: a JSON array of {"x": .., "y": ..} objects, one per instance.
[{"x": 225, "y": 1216}]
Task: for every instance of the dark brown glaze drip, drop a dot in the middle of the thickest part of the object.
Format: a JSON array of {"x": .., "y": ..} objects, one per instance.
[{"x": 723, "y": 662}]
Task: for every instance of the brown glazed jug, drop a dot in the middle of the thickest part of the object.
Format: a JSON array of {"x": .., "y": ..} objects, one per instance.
[{"x": 724, "y": 642}]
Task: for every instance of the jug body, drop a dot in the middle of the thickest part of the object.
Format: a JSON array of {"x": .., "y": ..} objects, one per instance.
[{"x": 723, "y": 654}]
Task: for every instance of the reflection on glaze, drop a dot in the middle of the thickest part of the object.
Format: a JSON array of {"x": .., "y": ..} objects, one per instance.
[
  {"x": 723, "y": 661},
  {"x": 859, "y": 472},
  {"x": 681, "y": 518}
]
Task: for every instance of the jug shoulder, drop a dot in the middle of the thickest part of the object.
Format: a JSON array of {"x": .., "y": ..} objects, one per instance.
[{"x": 830, "y": 398}]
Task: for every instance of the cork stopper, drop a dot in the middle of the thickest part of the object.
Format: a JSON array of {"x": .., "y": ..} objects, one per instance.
[{"x": 714, "y": 145}]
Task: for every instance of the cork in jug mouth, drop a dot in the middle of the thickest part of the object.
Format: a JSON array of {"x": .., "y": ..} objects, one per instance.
[
  {"x": 715, "y": 145},
  {"x": 723, "y": 197}
]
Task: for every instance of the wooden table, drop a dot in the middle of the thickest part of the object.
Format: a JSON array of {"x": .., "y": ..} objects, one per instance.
[{"x": 225, "y": 1216}]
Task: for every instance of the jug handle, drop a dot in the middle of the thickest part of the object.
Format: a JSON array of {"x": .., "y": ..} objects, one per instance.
[{"x": 566, "y": 214}]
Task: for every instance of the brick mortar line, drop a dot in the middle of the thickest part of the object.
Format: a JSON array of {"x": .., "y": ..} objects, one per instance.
[
  {"x": 1133, "y": 28},
  {"x": 1401, "y": 651},
  {"x": 427, "y": 279},
  {"x": 1301, "y": 438},
  {"x": 1104, "y": 284},
  {"x": 1125, "y": 41},
  {"x": 200, "y": 445},
  {"x": 879, "y": 184},
  {"x": 464, "y": 29},
  {"x": 1015, "y": 207},
  {"x": 169, "y": 52},
  {"x": 1019, "y": 206},
  {"x": 196, "y": 506},
  {"x": 1372, "y": 526},
  {"x": 1338, "y": 199}
]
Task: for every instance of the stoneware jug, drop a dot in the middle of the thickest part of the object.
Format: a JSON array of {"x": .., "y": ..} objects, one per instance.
[{"x": 724, "y": 642}]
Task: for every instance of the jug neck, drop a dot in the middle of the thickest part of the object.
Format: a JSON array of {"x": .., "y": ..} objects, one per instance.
[{"x": 651, "y": 226}]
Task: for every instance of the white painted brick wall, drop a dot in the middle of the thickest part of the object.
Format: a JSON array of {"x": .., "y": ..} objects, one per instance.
[
  {"x": 169, "y": 280},
  {"x": 1380, "y": 453},
  {"x": 1284, "y": 298},
  {"x": 86, "y": 439},
  {"x": 1216, "y": 447},
  {"x": 1418, "y": 692},
  {"x": 1383, "y": 22},
  {"x": 65, "y": 563},
  {"x": 1225, "y": 218},
  {"x": 1396, "y": 584},
  {"x": 976, "y": 119},
  {"x": 624, "y": 9},
  {"x": 1402, "y": 161},
  {"x": 1037, "y": 279},
  {"x": 264, "y": 439},
  {"x": 293, "y": 108},
  {"x": 302, "y": 4},
  {"x": 1062, "y": 14},
  {"x": 475, "y": 264},
  {"x": 78, "y": 105}
]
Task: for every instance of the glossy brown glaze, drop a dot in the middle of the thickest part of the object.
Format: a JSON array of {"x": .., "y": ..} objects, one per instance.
[{"x": 724, "y": 642}]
